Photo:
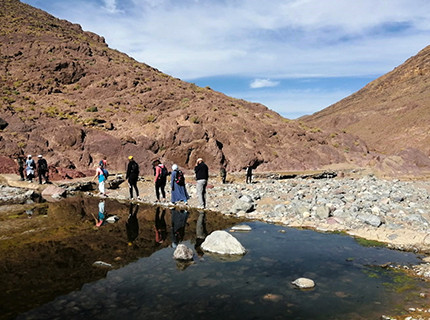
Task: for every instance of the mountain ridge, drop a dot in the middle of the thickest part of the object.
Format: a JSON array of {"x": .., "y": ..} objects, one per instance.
[{"x": 68, "y": 96}]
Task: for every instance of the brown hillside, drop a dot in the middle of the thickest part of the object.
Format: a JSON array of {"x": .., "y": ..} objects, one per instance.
[
  {"x": 65, "y": 94},
  {"x": 392, "y": 113}
]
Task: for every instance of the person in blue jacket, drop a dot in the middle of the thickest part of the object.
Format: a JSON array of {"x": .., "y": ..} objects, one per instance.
[{"x": 177, "y": 183}]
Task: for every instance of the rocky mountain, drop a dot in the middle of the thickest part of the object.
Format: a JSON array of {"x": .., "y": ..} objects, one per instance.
[
  {"x": 65, "y": 94},
  {"x": 391, "y": 114}
]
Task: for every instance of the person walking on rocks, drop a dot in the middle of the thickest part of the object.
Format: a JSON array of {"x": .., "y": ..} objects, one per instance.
[
  {"x": 202, "y": 175},
  {"x": 132, "y": 176},
  {"x": 101, "y": 176},
  {"x": 42, "y": 169},
  {"x": 161, "y": 174},
  {"x": 177, "y": 184},
  {"x": 223, "y": 174},
  {"x": 30, "y": 166},
  {"x": 249, "y": 174}
]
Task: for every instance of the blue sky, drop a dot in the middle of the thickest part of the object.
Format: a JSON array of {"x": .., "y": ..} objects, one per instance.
[{"x": 294, "y": 56}]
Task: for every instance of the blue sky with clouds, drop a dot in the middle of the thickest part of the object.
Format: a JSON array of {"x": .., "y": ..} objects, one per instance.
[{"x": 294, "y": 56}]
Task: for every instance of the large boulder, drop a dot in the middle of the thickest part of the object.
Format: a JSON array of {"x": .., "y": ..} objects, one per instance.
[{"x": 222, "y": 242}]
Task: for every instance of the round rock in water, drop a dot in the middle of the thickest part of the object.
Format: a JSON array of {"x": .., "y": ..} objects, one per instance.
[
  {"x": 182, "y": 252},
  {"x": 222, "y": 242},
  {"x": 241, "y": 227},
  {"x": 304, "y": 283}
]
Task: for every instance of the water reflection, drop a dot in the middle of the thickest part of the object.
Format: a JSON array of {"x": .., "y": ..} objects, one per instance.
[
  {"x": 160, "y": 225},
  {"x": 201, "y": 233},
  {"x": 132, "y": 224},
  {"x": 57, "y": 256},
  {"x": 54, "y": 277},
  {"x": 179, "y": 221}
]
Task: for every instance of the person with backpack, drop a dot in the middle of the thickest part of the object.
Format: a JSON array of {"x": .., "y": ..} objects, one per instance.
[
  {"x": 132, "y": 176},
  {"x": 177, "y": 183},
  {"x": 42, "y": 169},
  {"x": 101, "y": 175},
  {"x": 161, "y": 174},
  {"x": 29, "y": 169},
  {"x": 202, "y": 175}
]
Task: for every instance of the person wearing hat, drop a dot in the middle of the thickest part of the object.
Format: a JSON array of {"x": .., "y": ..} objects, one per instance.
[
  {"x": 202, "y": 175},
  {"x": 30, "y": 167},
  {"x": 132, "y": 176},
  {"x": 42, "y": 169}
]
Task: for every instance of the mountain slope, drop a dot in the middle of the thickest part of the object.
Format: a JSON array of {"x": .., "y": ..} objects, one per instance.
[
  {"x": 67, "y": 95},
  {"x": 392, "y": 113}
]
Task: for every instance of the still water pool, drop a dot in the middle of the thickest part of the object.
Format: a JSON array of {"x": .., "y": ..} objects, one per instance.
[{"x": 349, "y": 282}]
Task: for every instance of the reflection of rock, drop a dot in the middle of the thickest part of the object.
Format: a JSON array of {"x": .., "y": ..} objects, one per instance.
[
  {"x": 223, "y": 243},
  {"x": 304, "y": 283},
  {"x": 241, "y": 227},
  {"x": 225, "y": 257},
  {"x": 112, "y": 219},
  {"x": 101, "y": 264},
  {"x": 182, "y": 252}
]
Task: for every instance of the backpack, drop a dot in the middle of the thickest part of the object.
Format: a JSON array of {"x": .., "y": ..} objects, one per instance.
[
  {"x": 105, "y": 173},
  {"x": 164, "y": 172},
  {"x": 180, "y": 179}
]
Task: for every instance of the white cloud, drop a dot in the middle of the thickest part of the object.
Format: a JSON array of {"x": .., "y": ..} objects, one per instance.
[
  {"x": 263, "y": 83},
  {"x": 111, "y": 6}
]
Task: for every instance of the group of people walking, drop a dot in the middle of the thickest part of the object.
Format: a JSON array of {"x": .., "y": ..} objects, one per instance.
[
  {"x": 177, "y": 181},
  {"x": 27, "y": 168}
]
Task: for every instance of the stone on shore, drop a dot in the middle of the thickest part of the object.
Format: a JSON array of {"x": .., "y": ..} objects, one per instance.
[{"x": 222, "y": 242}]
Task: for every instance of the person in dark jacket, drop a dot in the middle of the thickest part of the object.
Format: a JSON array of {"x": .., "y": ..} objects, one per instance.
[
  {"x": 132, "y": 176},
  {"x": 202, "y": 175},
  {"x": 42, "y": 169},
  {"x": 21, "y": 163},
  {"x": 249, "y": 174}
]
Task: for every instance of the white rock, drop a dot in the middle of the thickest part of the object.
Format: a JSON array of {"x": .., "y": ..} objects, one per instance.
[
  {"x": 223, "y": 243},
  {"x": 304, "y": 283},
  {"x": 182, "y": 252}
]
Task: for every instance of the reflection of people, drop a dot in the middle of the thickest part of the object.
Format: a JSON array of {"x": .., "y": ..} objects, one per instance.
[
  {"x": 201, "y": 232},
  {"x": 223, "y": 174},
  {"x": 132, "y": 176},
  {"x": 160, "y": 225},
  {"x": 101, "y": 217},
  {"x": 132, "y": 224},
  {"x": 179, "y": 221},
  {"x": 177, "y": 183},
  {"x": 248, "y": 174},
  {"x": 202, "y": 175}
]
